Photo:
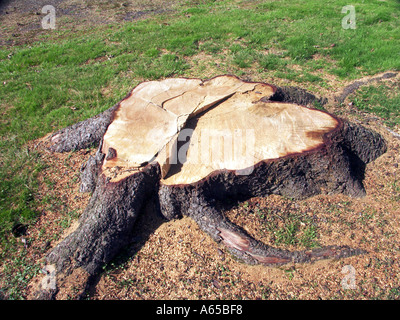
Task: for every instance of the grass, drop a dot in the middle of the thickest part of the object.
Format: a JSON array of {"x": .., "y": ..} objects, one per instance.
[
  {"x": 284, "y": 225},
  {"x": 382, "y": 100},
  {"x": 295, "y": 231},
  {"x": 18, "y": 274},
  {"x": 396, "y": 190},
  {"x": 69, "y": 76}
]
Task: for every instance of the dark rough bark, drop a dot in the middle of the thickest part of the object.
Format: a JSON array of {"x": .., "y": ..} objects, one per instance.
[
  {"x": 106, "y": 225},
  {"x": 83, "y": 134},
  {"x": 362, "y": 144},
  {"x": 104, "y": 228},
  {"x": 90, "y": 171},
  {"x": 296, "y": 95}
]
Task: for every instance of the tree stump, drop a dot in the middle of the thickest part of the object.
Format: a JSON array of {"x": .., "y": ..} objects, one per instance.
[{"x": 191, "y": 143}]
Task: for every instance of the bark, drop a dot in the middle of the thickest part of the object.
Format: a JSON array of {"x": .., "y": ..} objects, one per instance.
[
  {"x": 105, "y": 228},
  {"x": 296, "y": 95},
  {"x": 84, "y": 134}
]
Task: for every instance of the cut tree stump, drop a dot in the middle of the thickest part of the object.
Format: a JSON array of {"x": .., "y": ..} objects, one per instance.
[{"x": 191, "y": 143}]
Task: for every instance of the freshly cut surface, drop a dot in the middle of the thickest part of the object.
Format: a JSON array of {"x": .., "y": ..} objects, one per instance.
[
  {"x": 147, "y": 122},
  {"x": 231, "y": 124},
  {"x": 244, "y": 130},
  {"x": 141, "y": 126}
]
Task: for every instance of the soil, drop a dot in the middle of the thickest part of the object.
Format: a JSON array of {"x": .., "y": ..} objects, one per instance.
[{"x": 21, "y": 21}]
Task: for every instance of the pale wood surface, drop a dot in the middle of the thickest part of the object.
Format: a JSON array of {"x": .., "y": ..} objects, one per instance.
[{"x": 231, "y": 123}]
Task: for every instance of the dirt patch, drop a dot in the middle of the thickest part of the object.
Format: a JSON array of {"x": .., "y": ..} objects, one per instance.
[{"x": 21, "y": 21}]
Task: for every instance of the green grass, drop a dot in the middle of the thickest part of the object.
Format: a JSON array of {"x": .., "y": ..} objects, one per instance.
[
  {"x": 286, "y": 226},
  {"x": 295, "y": 231},
  {"x": 69, "y": 76},
  {"x": 382, "y": 100}
]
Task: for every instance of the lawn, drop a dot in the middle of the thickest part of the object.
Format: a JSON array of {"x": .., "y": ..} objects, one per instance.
[{"x": 67, "y": 75}]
